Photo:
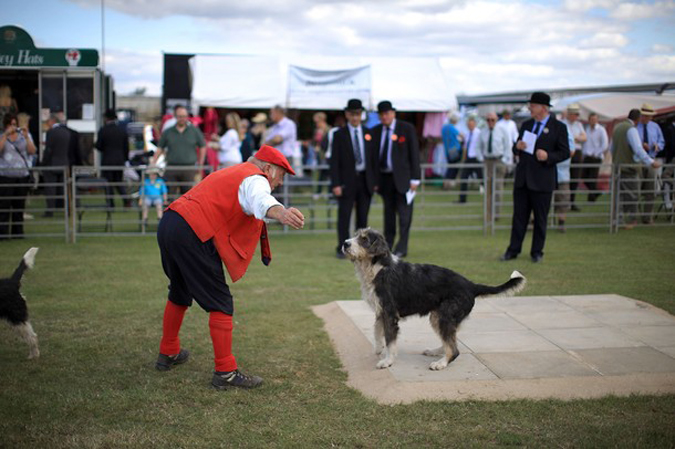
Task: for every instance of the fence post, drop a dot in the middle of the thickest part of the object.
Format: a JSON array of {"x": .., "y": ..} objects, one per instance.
[
  {"x": 286, "y": 197},
  {"x": 70, "y": 210}
]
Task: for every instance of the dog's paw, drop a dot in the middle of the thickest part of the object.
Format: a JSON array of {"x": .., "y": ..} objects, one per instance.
[
  {"x": 433, "y": 352},
  {"x": 34, "y": 354},
  {"x": 438, "y": 364},
  {"x": 384, "y": 363}
]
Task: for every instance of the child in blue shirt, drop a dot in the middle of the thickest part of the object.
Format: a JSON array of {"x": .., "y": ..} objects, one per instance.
[{"x": 153, "y": 193}]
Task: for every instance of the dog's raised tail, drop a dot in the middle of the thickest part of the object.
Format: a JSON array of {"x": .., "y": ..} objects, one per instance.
[
  {"x": 508, "y": 288},
  {"x": 27, "y": 263}
]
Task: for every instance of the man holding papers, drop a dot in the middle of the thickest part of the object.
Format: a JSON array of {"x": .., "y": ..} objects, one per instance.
[
  {"x": 398, "y": 173},
  {"x": 542, "y": 143}
]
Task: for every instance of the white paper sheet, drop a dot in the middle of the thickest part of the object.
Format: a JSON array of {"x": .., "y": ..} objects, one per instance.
[
  {"x": 410, "y": 196},
  {"x": 530, "y": 139}
]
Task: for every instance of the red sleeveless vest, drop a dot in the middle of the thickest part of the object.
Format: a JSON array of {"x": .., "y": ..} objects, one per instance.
[{"x": 212, "y": 210}]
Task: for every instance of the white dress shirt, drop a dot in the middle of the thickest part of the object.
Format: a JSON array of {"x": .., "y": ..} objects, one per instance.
[
  {"x": 501, "y": 144},
  {"x": 255, "y": 196},
  {"x": 639, "y": 153},
  {"x": 596, "y": 141},
  {"x": 288, "y": 131},
  {"x": 472, "y": 139},
  {"x": 361, "y": 144},
  {"x": 577, "y": 129},
  {"x": 392, "y": 127}
]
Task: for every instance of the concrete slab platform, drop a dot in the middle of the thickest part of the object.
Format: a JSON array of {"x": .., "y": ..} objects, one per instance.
[{"x": 522, "y": 347}]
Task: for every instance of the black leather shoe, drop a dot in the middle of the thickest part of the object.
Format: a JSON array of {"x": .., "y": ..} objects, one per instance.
[
  {"x": 507, "y": 256},
  {"x": 340, "y": 255},
  {"x": 399, "y": 254},
  {"x": 166, "y": 362},
  {"x": 538, "y": 258}
]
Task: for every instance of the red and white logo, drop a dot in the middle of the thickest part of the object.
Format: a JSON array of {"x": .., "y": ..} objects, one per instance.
[{"x": 73, "y": 57}]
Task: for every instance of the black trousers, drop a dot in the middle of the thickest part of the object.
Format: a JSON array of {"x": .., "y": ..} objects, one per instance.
[
  {"x": 395, "y": 204},
  {"x": 53, "y": 193},
  {"x": 361, "y": 199},
  {"x": 117, "y": 178},
  {"x": 575, "y": 173},
  {"x": 193, "y": 267},
  {"x": 12, "y": 205},
  {"x": 526, "y": 202},
  {"x": 465, "y": 174},
  {"x": 590, "y": 175}
]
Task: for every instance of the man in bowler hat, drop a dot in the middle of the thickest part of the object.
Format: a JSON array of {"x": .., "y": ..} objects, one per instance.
[
  {"x": 535, "y": 177},
  {"x": 353, "y": 170},
  {"x": 398, "y": 172}
]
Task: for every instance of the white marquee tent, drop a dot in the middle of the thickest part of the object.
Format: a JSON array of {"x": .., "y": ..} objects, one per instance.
[
  {"x": 615, "y": 106},
  {"x": 326, "y": 83}
]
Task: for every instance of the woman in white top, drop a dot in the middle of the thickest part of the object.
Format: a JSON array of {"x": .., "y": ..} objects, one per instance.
[{"x": 230, "y": 143}]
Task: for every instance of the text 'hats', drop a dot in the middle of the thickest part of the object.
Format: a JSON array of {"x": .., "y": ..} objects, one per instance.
[
  {"x": 541, "y": 98},
  {"x": 273, "y": 156},
  {"x": 260, "y": 117},
  {"x": 573, "y": 108},
  {"x": 647, "y": 109},
  {"x": 384, "y": 106},
  {"x": 354, "y": 105}
]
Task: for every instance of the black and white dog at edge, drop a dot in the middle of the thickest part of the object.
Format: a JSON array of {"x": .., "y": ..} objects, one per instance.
[
  {"x": 13, "y": 306},
  {"x": 395, "y": 289}
]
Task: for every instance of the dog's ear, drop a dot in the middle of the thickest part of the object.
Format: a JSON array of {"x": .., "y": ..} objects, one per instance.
[{"x": 377, "y": 244}]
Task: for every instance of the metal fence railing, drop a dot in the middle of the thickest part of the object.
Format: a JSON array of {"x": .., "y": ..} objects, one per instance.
[{"x": 86, "y": 201}]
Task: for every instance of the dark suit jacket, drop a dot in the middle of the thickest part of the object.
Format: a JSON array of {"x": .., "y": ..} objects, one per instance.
[
  {"x": 536, "y": 175},
  {"x": 405, "y": 154},
  {"x": 669, "y": 136},
  {"x": 113, "y": 143},
  {"x": 343, "y": 162},
  {"x": 57, "y": 147}
]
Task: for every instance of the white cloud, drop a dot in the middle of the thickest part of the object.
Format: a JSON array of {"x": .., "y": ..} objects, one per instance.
[{"x": 485, "y": 45}]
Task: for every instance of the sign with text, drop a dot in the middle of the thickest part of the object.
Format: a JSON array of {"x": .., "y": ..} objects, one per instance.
[{"x": 18, "y": 50}]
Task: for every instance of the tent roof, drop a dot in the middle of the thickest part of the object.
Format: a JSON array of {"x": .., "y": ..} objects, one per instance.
[
  {"x": 614, "y": 106},
  {"x": 260, "y": 82}
]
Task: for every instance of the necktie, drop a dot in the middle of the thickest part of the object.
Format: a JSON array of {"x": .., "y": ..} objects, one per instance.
[
  {"x": 357, "y": 147},
  {"x": 489, "y": 149},
  {"x": 645, "y": 138},
  {"x": 384, "y": 154},
  {"x": 468, "y": 143},
  {"x": 536, "y": 128}
]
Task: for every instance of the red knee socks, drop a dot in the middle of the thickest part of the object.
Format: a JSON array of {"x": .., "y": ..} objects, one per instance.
[
  {"x": 173, "y": 318},
  {"x": 220, "y": 325}
]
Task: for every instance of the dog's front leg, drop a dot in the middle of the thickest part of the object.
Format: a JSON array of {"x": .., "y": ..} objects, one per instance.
[
  {"x": 390, "y": 333},
  {"x": 379, "y": 335}
]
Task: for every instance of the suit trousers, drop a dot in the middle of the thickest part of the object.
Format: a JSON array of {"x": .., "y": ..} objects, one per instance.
[
  {"x": 575, "y": 173},
  {"x": 465, "y": 174},
  {"x": 629, "y": 188},
  {"x": 525, "y": 203},
  {"x": 395, "y": 203},
  {"x": 116, "y": 177},
  {"x": 648, "y": 189},
  {"x": 53, "y": 189},
  {"x": 361, "y": 199},
  {"x": 13, "y": 192},
  {"x": 589, "y": 173}
]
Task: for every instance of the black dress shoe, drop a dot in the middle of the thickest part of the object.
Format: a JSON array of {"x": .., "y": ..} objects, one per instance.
[
  {"x": 400, "y": 254},
  {"x": 507, "y": 256},
  {"x": 538, "y": 258},
  {"x": 340, "y": 255},
  {"x": 575, "y": 208}
]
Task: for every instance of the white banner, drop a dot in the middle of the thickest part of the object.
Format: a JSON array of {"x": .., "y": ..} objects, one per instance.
[{"x": 327, "y": 89}]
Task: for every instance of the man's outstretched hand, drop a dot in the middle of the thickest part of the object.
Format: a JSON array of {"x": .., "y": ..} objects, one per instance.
[{"x": 291, "y": 217}]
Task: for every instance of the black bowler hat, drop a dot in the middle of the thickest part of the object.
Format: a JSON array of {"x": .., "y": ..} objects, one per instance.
[
  {"x": 384, "y": 106},
  {"x": 110, "y": 114},
  {"x": 541, "y": 98},
  {"x": 354, "y": 105}
]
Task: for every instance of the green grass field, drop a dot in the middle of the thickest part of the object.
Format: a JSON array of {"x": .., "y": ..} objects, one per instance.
[{"x": 97, "y": 307}]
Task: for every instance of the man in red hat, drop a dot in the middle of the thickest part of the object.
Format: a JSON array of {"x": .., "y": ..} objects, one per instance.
[{"x": 220, "y": 220}]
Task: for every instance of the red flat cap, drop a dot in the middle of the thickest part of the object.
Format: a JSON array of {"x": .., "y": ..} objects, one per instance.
[{"x": 273, "y": 156}]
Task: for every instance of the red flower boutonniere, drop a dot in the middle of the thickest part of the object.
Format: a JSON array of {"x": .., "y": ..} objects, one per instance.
[
  {"x": 367, "y": 137},
  {"x": 394, "y": 137},
  {"x": 401, "y": 139}
]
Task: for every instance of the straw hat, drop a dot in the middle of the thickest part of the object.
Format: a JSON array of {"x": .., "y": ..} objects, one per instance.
[
  {"x": 573, "y": 108},
  {"x": 647, "y": 109},
  {"x": 260, "y": 117}
]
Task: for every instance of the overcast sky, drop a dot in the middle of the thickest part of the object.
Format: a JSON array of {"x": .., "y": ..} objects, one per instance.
[{"x": 484, "y": 46}]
